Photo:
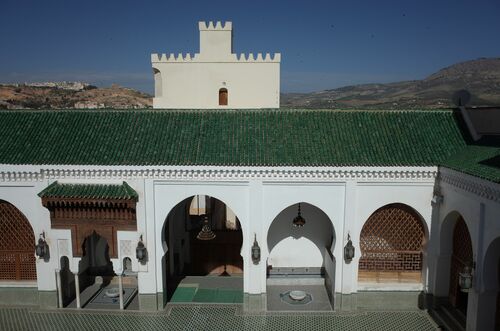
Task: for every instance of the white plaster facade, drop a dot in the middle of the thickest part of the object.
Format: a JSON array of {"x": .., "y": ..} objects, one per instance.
[
  {"x": 346, "y": 197},
  {"x": 477, "y": 201},
  {"x": 257, "y": 196},
  {"x": 194, "y": 82}
]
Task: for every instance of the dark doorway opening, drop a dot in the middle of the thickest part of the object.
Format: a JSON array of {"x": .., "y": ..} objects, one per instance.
[{"x": 203, "y": 240}]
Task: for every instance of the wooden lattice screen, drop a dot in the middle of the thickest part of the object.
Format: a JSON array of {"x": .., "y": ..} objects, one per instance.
[
  {"x": 392, "y": 240},
  {"x": 17, "y": 245},
  {"x": 460, "y": 258}
]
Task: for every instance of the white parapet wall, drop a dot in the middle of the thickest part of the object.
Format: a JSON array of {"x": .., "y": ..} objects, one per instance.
[{"x": 186, "y": 81}]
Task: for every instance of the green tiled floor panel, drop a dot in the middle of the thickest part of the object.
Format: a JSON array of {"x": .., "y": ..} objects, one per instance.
[
  {"x": 205, "y": 295},
  {"x": 208, "y": 318},
  {"x": 184, "y": 294}
]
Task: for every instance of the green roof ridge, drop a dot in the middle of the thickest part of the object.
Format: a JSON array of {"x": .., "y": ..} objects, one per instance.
[{"x": 89, "y": 191}]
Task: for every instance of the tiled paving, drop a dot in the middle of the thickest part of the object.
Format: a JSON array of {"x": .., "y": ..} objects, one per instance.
[{"x": 208, "y": 317}]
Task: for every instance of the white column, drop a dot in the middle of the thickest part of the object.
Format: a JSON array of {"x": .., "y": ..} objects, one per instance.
[
  {"x": 348, "y": 271},
  {"x": 59, "y": 292},
  {"x": 77, "y": 290},
  {"x": 120, "y": 289},
  {"x": 255, "y": 275}
]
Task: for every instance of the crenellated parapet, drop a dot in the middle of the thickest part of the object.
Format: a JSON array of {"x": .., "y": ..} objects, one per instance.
[
  {"x": 259, "y": 58},
  {"x": 181, "y": 57},
  {"x": 203, "y": 26},
  {"x": 187, "y": 57}
]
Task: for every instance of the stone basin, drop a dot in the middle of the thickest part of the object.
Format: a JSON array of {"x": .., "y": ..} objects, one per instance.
[
  {"x": 297, "y": 295},
  {"x": 113, "y": 292}
]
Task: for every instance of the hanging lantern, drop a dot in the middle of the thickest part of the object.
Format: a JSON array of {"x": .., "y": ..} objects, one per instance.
[
  {"x": 141, "y": 252},
  {"x": 206, "y": 232},
  {"x": 42, "y": 248},
  {"x": 299, "y": 221},
  {"x": 255, "y": 251},
  {"x": 349, "y": 250},
  {"x": 465, "y": 279}
]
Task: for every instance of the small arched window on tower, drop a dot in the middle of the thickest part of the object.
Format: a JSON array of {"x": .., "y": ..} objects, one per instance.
[{"x": 223, "y": 97}]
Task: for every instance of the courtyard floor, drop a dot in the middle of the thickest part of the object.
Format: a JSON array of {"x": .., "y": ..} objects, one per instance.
[{"x": 208, "y": 317}]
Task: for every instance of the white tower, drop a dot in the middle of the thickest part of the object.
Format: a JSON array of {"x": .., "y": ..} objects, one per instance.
[{"x": 216, "y": 78}]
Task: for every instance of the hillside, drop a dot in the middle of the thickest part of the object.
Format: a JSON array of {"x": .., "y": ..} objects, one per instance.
[
  {"x": 480, "y": 77},
  {"x": 46, "y": 96}
]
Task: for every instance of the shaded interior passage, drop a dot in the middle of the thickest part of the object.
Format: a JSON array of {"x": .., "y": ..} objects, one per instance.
[{"x": 202, "y": 262}]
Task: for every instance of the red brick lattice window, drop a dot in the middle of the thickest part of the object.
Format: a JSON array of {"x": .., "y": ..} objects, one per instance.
[
  {"x": 392, "y": 239},
  {"x": 17, "y": 245}
]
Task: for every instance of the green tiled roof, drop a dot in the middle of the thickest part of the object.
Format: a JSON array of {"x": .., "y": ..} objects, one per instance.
[
  {"x": 230, "y": 137},
  {"x": 480, "y": 161},
  {"x": 89, "y": 191}
]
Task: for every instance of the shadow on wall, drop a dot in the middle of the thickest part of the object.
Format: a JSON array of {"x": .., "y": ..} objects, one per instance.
[
  {"x": 291, "y": 246},
  {"x": 67, "y": 282}
]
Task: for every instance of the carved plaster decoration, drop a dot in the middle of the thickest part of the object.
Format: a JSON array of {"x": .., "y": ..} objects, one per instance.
[
  {"x": 471, "y": 184},
  {"x": 228, "y": 174},
  {"x": 125, "y": 248},
  {"x": 63, "y": 247}
]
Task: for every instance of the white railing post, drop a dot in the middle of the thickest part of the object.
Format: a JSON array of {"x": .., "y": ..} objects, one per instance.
[
  {"x": 77, "y": 289},
  {"x": 59, "y": 291},
  {"x": 120, "y": 289}
]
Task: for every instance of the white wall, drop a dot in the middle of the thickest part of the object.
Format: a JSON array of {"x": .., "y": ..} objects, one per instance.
[
  {"x": 185, "y": 82},
  {"x": 195, "y": 85},
  {"x": 473, "y": 199}
]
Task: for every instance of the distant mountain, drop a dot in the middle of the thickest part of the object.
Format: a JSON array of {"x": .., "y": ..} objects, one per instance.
[
  {"x": 480, "y": 77},
  {"x": 63, "y": 95}
]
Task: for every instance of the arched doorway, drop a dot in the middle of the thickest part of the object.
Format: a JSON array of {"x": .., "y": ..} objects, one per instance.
[
  {"x": 17, "y": 242},
  {"x": 490, "y": 303},
  {"x": 392, "y": 242},
  {"x": 300, "y": 258},
  {"x": 461, "y": 257},
  {"x": 202, "y": 239},
  {"x": 158, "y": 83},
  {"x": 223, "y": 96}
]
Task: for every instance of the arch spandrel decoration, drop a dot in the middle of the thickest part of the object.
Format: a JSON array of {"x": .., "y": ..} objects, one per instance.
[
  {"x": 17, "y": 243},
  {"x": 392, "y": 239}
]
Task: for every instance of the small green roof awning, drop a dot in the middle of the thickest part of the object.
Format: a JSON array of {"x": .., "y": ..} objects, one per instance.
[{"x": 89, "y": 191}]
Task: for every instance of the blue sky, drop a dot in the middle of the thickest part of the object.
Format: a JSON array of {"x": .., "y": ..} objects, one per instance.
[{"x": 324, "y": 44}]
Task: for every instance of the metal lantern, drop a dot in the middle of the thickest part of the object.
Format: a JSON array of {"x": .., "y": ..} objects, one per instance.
[
  {"x": 299, "y": 221},
  {"x": 465, "y": 279},
  {"x": 141, "y": 252},
  {"x": 255, "y": 251},
  {"x": 42, "y": 248},
  {"x": 349, "y": 250},
  {"x": 206, "y": 232}
]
